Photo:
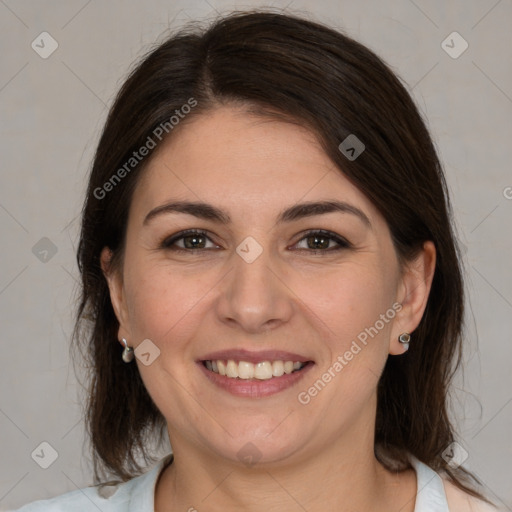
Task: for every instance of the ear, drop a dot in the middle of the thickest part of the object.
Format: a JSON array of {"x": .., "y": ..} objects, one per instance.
[
  {"x": 413, "y": 292},
  {"x": 117, "y": 293}
]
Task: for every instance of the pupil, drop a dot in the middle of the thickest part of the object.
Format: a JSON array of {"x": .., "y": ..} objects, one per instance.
[
  {"x": 191, "y": 240},
  {"x": 319, "y": 242},
  {"x": 316, "y": 239}
]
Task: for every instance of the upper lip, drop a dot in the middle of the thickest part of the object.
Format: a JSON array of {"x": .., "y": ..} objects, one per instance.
[{"x": 254, "y": 357}]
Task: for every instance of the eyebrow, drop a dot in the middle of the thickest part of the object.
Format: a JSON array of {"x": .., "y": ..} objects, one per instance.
[{"x": 209, "y": 212}]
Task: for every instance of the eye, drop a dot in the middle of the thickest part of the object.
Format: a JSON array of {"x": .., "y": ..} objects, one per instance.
[
  {"x": 192, "y": 239},
  {"x": 319, "y": 242}
]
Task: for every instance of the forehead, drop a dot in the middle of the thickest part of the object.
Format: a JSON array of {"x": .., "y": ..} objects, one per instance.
[{"x": 247, "y": 164}]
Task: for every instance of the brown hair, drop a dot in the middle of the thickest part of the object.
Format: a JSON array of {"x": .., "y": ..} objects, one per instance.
[{"x": 310, "y": 74}]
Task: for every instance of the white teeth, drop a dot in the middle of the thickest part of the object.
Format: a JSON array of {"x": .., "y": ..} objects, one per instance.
[
  {"x": 231, "y": 369},
  {"x": 277, "y": 368},
  {"x": 245, "y": 370},
  {"x": 263, "y": 370}
]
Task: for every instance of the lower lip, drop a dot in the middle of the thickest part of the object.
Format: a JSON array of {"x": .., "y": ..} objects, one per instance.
[{"x": 255, "y": 388}]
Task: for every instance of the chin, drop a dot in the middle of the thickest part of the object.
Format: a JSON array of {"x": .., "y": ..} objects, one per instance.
[{"x": 253, "y": 443}]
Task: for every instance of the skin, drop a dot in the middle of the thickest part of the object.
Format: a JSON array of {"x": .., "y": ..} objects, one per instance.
[{"x": 318, "y": 456}]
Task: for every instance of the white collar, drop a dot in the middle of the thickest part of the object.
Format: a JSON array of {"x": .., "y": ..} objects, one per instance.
[{"x": 430, "y": 494}]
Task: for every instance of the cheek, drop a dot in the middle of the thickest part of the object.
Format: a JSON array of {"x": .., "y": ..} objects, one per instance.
[
  {"x": 161, "y": 301},
  {"x": 349, "y": 300},
  {"x": 355, "y": 310}
]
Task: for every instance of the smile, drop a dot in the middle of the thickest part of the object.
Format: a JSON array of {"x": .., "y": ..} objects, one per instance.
[
  {"x": 246, "y": 370},
  {"x": 254, "y": 374}
]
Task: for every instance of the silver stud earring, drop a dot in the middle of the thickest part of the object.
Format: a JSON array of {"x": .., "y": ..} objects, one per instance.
[
  {"x": 404, "y": 339},
  {"x": 128, "y": 354}
]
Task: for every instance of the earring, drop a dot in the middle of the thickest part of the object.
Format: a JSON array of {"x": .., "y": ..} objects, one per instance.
[
  {"x": 404, "y": 339},
  {"x": 127, "y": 352}
]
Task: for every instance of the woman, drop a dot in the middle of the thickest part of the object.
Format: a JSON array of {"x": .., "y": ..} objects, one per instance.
[{"x": 267, "y": 230}]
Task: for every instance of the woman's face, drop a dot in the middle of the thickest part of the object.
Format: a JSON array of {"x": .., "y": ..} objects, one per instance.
[{"x": 251, "y": 288}]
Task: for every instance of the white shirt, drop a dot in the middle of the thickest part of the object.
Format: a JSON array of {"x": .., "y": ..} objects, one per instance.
[{"x": 138, "y": 494}]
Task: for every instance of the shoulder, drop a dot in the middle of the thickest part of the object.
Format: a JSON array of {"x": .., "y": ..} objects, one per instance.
[
  {"x": 460, "y": 501},
  {"x": 106, "y": 499},
  {"x": 135, "y": 495},
  {"x": 437, "y": 493}
]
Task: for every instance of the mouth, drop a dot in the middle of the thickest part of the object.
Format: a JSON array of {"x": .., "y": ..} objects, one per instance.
[
  {"x": 254, "y": 375},
  {"x": 245, "y": 370}
]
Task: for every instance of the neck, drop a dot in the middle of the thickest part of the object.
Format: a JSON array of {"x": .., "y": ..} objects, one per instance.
[{"x": 344, "y": 477}]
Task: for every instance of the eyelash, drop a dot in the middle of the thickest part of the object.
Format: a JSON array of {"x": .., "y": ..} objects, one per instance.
[{"x": 168, "y": 243}]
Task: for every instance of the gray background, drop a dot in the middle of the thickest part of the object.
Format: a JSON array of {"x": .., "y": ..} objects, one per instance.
[{"x": 52, "y": 111}]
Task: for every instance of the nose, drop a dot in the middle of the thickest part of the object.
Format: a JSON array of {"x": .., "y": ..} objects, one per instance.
[{"x": 254, "y": 297}]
